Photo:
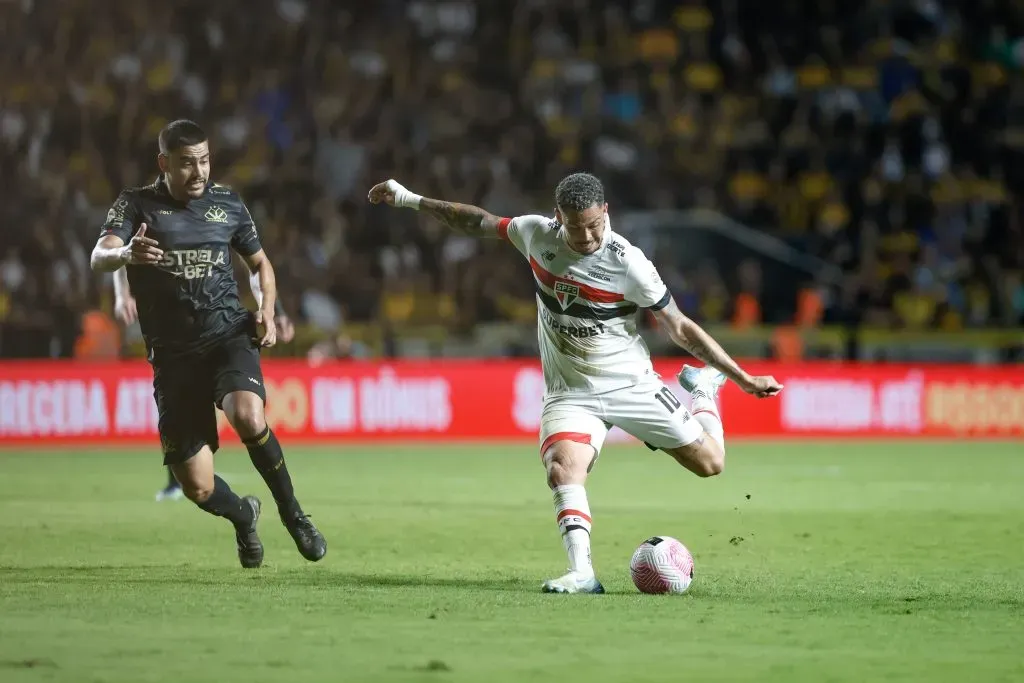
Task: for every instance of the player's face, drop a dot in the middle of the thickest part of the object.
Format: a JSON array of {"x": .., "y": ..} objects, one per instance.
[
  {"x": 584, "y": 230},
  {"x": 187, "y": 170}
]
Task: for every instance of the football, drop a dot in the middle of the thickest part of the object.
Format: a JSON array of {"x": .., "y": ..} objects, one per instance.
[{"x": 661, "y": 565}]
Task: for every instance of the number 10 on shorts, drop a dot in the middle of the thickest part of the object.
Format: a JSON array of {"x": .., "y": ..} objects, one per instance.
[{"x": 668, "y": 399}]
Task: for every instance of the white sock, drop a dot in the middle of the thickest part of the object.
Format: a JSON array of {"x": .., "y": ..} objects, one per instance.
[
  {"x": 705, "y": 411},
  {"x": 572, "y": 512}
]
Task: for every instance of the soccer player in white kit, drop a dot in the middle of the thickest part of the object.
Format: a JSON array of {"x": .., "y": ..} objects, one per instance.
[{"x": 590, "y": 283}]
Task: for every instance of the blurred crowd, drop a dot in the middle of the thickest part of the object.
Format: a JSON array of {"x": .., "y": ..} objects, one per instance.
[{"x": 882, "y": 136}]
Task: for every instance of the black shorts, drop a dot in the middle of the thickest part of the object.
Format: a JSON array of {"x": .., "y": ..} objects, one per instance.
[{"x": 189, "y": 388}]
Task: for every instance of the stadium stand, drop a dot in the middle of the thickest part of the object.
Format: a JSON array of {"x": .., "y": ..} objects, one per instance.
[{"x": 882, "y": 137}]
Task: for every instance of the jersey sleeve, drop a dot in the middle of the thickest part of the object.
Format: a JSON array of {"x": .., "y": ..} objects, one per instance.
[
  {"x": 122, "y": 219},
  {"x": 643, "y": 284},
  {"x": 519, "y": 231},
  {"x": 246, "y": 240}
]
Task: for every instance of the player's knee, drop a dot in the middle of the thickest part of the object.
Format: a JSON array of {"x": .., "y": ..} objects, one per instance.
[
  {"x": 564, "y": 466},
  {"x": 559, "y": 473},
  {"x": 196, "y": 492},
  {"x": 703, "y": 457},
  {"x": 712, "y": 462},
  {"x": 247, "y": 418}
]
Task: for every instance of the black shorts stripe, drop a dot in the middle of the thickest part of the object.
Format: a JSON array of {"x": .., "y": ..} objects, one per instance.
[{"x": 584, "y": 311}]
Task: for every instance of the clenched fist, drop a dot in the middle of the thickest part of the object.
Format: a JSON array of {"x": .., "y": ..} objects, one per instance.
[
  {"x": 392, "y": 192},
  {"x": 762, "y": 387}
]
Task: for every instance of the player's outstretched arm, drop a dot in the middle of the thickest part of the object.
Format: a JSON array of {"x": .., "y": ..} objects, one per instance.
[
  {"x": 111, "y": 253},
  {"x": 465, "y": 218},
  {"x": 691, "y": 337}
]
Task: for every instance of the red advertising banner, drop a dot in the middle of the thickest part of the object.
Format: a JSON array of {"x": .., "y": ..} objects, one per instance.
[
  {"x": 882, "y": 400},
  {"x": 50, "y": 402}
]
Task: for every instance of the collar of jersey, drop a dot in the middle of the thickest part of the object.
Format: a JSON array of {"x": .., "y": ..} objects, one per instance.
[{"x": 605, "y": 239}]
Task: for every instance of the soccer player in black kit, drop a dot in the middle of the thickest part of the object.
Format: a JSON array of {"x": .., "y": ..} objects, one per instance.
[
  {"x": 127, "y": 313},
  {"x": 175, "y": 238}
]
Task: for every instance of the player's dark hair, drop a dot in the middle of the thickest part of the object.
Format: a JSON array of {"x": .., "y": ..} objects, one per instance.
[
  {"x": 180, "y": 133},
  {"x": 579, "y": 191}
]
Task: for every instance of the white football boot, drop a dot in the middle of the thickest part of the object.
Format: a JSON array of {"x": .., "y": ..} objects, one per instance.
[
  {"x": 172, "y": 492},
  {"x": 706, "y": 378},
  {"x": 573, "y": 582}
]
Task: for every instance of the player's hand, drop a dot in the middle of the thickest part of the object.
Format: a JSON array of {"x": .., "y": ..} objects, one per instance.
[
  {"x": 383, "y": 193},
  {"x": 285, "y": 328},
  {"x": 126, "y": 310},
  {"x": 393, "y": 193},
  {"x": 266, "y": 329},
  {"x": 142, "y": 250},
  {"x": 762, "y": 387}
]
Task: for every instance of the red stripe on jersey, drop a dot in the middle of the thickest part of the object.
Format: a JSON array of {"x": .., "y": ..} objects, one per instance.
[
  {"x": 503, "y": 228},
  {"x": 601, "y": 296},
  {"x": 576, "y": 513},
  {"x": 578, "y": 437}
]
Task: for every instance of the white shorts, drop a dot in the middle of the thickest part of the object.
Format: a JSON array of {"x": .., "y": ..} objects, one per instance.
[{"x": 649, "y": 411}]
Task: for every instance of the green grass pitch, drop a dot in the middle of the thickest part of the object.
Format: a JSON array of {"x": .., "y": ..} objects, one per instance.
[{"x": 815, "y": 562}]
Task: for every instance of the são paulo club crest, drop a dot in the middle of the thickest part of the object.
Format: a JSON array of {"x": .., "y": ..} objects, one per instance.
[{"x": 566, "y": 293}]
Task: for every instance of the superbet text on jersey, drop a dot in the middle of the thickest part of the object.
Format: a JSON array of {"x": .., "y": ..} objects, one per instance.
[{"x": 586, "y": 306}]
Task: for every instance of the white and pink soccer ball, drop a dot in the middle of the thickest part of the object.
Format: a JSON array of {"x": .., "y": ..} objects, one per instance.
[{"x": 661, "y": 565}]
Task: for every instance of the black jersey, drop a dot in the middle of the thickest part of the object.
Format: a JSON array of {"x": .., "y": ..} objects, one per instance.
[{"x": 190, "y": 299}]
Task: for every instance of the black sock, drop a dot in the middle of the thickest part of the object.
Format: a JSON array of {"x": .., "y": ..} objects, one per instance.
[
  {"x": 268, "y": 458},
  {"x": 224, "y": 502},
  {"x": 172, "y": 482}
]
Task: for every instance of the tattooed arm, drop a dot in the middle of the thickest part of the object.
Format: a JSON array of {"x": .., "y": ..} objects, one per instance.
[
  {"x": 699, "y": 343},
  {"x": 463, "y": 218}
]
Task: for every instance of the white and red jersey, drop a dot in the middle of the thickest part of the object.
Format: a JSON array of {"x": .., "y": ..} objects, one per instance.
[{"x": 586, "y": 306}]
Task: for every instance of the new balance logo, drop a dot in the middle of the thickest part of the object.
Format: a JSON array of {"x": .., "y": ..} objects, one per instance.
[{"x": 215, "y": 214}]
